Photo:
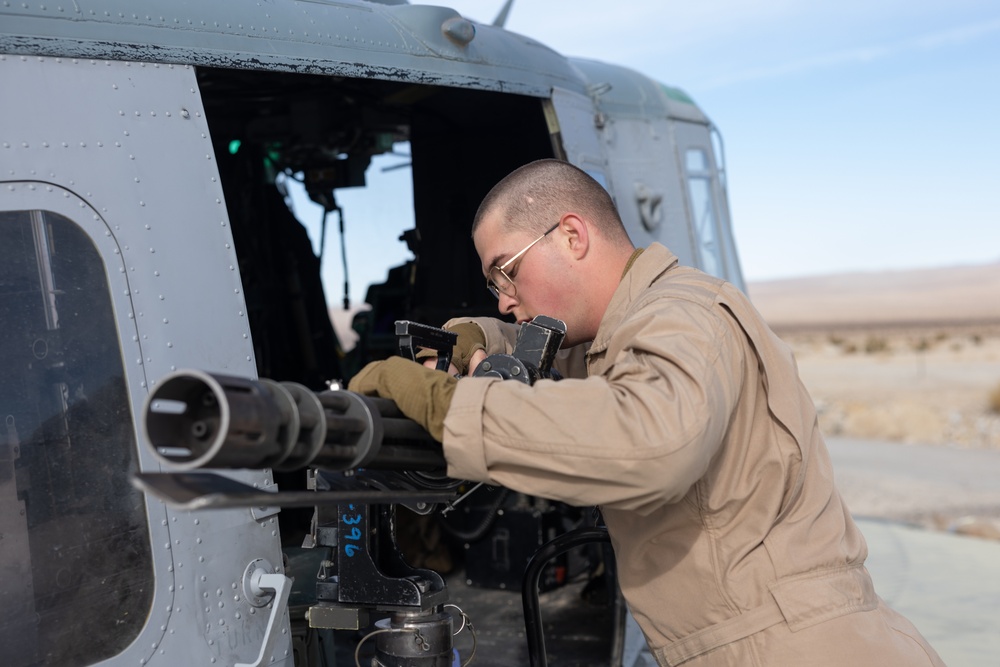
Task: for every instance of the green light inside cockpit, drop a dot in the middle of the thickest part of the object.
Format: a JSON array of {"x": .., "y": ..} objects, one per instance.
[{"x": 234, "y": 146}]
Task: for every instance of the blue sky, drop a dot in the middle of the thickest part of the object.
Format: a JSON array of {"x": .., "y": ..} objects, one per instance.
[{"x": 859, "y": 134}]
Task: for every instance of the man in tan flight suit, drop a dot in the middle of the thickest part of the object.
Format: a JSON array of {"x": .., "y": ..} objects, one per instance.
[{"x": 688, "y": 426}]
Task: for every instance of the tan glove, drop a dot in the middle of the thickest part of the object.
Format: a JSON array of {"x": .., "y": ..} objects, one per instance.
[
  {"x": 422, "y": 394},
  {"x": 470, "y": 339}
]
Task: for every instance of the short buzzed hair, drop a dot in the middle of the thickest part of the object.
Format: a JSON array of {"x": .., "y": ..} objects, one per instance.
[{"x": 535, "y": 196}]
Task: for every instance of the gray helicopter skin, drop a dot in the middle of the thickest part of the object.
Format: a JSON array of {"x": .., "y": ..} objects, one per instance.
[{"x": 134, "y": 244}]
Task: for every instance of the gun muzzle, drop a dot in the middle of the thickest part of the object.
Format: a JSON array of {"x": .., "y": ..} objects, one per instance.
[{"x": 195, "y": 419}]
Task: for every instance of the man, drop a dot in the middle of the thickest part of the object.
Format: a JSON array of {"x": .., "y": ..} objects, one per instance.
[{"x": 688, "y": 426}]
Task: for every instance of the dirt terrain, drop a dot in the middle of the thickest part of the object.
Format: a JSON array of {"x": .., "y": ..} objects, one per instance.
[
  {"x": 910, "y": 356},
  {"x": 939, "y": 385}
]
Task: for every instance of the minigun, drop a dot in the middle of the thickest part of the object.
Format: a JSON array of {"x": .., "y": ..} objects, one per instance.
[{"x": 363, "y": 458}]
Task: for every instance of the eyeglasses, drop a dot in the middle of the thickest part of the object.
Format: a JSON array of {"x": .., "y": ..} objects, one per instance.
[{"x": 498, "y": 282}]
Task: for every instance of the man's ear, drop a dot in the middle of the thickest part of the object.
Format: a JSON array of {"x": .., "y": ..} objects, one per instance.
[{"x": 575, "y": 234}]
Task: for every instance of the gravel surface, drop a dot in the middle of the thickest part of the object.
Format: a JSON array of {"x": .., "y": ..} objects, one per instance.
[{"x": 926, "y": 386}]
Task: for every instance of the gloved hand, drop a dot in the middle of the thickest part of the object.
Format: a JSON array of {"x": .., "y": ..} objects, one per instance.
[
  {"x": 470, "y": 339},
  {"x": 422, "y": 394}
]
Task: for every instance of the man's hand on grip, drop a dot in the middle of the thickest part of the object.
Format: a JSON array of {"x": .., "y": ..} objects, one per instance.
[{"x": 469, "y": 350}]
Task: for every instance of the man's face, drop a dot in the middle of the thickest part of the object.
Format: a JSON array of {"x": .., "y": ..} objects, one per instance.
[{"x": 533, "y": 291}]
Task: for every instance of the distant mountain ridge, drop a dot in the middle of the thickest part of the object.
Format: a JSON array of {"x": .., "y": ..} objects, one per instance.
[{"x": 946, "y": 295}]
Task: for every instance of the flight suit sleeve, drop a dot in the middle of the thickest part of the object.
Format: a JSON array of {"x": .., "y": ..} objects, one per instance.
[{"x": 634, "y": 437}]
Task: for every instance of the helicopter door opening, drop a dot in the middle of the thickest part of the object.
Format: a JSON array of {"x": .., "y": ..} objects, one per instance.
[{"x": 400, "y": 167}]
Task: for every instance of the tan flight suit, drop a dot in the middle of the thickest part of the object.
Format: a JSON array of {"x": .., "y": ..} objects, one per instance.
[{"x": 692, "y": 432}]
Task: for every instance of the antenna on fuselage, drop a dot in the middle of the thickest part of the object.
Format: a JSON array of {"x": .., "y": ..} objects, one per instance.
[{"x": 501, "y": 18}]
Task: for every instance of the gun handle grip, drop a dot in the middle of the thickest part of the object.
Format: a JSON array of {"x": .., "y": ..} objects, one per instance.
[{"x": 412, "y": 335}]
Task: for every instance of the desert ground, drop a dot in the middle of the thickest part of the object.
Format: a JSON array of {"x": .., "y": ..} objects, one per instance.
[
  {"x": 910, "y": 356},
  {"x": 938, "y": 385}
]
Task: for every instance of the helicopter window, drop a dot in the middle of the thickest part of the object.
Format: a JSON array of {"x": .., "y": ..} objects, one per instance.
[
  {"x": 703, "y": 210},
  {"x": 75, "y": 565}
]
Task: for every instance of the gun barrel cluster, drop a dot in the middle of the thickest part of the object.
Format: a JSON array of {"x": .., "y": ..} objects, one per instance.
[{"x": 194, "y": 419}]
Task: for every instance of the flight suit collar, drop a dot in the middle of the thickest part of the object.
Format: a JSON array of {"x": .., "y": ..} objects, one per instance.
[{"x": 646, "y": 269}]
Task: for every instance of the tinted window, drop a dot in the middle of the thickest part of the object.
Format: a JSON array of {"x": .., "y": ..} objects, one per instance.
[{"x": 75, "y": 569}]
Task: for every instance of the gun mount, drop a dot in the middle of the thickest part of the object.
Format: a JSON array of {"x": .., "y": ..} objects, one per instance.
[{"x": 364, "y": 457}]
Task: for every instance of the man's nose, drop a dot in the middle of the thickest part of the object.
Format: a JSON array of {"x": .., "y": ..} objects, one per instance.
[{"x": 506, "y": 303}]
